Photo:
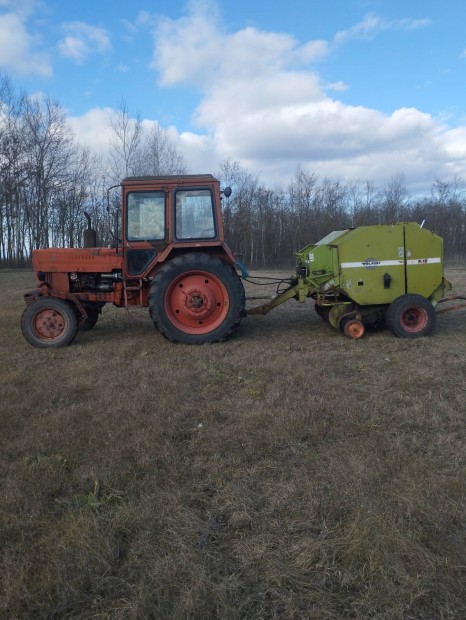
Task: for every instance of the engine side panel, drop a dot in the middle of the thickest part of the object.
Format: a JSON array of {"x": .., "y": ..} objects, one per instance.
[{"x": 65, "y": 260}]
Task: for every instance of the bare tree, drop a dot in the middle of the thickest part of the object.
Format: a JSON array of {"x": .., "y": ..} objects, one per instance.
[
  {"x": 158, "y": 155},
  {"x": 126, "y": 142},
  {"x": 12, "y": 174},
  {"x": 51, "y": 154},
  {"x": 395, "y": 200},
  {"x": 363, "y": 200},
  {"x": 240, "y": 209}
]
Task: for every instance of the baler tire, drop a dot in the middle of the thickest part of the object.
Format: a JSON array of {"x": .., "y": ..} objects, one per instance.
[
  {"x": 49, "y": 323},
  {"x": 411, "y": 316},
  {"x": 92, "y": 318},
  {"x": 196, "y": 298},
  {"x": 352, "y": 328}
]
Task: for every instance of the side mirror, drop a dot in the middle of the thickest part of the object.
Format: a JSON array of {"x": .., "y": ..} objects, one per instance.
[{"x": 227, "y": 192}]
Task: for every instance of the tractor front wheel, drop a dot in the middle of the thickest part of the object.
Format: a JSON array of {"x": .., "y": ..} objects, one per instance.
[
  {"x": 411, "y": 316},
  {"x": 196, "y": 298},
  {"x": 49, "y": 323}
]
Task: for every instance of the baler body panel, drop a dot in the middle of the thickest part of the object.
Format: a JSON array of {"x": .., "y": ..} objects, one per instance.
[
  {"x": 424, "y": 260},
  {"x": 374, "y": 265},
  {"x": 368, "y": 257},
  {"x": 322, "y": 261}
]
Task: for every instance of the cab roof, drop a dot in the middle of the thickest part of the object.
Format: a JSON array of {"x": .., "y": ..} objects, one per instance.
[{"x": 171, "y": 177}]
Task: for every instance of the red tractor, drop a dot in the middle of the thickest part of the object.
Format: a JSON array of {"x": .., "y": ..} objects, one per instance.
[{"x": 172, "y": 258}]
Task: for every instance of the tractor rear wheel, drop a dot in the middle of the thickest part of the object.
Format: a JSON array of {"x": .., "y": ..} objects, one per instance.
[
  {"x": 49, "y": 323},
  {"x": 411, "y": 316},
  {"x": 196, "y": 298}
]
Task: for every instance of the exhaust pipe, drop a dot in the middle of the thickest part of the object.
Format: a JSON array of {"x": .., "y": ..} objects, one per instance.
[{"x": 90, "y": 235}]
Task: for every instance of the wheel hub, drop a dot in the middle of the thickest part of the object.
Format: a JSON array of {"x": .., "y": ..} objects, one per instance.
[
  {"x": 414, "y": 318},
  {"x": 197, "y": 302},
  {"x": 49, "y": 324}
]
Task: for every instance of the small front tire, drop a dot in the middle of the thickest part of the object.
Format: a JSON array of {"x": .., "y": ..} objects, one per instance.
[
  {"x": 352, "y": 328},
  {"x": 49, "y": 323}
]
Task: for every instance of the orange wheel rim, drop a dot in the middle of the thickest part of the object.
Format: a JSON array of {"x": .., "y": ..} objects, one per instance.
[
  {"x": 354, "y": 329},
  {"x": 49, "y": 324},
  {"x": 414, "y": 319},
  {"x": 197, "y": 302}
]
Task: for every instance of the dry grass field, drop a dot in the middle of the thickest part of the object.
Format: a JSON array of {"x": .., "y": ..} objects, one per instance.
[{"x": 287, "y": 473}]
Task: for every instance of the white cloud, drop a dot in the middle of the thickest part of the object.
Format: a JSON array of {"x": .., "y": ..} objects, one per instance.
[
  {"x": 263, "y": 106},
  {"x": 186, "y": 50},
  {"x": 372, "y": 24},
  {"x": 314, "y": 50},
  {"x": 23, "y": 8},
  {"x": 196, "y": 49},
  {"x": 82, "y": 40},
  {"x": 93, "y": 129},
  {"x": 18, "y": 47},
  {"x": 339, "y": 86}
]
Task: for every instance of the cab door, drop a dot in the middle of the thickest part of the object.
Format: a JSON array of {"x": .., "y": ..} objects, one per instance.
[{"x": 145, "y": 228}]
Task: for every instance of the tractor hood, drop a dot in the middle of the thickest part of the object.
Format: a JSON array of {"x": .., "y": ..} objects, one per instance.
[{"x": 90, "y": 260}]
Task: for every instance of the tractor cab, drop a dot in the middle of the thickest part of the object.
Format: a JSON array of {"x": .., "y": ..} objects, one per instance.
[{"x": 161, "y": 214}]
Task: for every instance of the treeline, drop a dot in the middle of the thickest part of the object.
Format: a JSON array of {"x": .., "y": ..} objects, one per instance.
[
  {"x": 48, "y": 181},
  {"x": 267, "y": 226}
]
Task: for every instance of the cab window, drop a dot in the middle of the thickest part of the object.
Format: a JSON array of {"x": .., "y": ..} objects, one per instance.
[
  {"x": 145, "y": 216},
  {"x": 195, "y": 215}
]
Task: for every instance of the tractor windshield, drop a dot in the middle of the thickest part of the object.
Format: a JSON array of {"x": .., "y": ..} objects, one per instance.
[
  {"x": 146, "y": 216},
  {"x": 195, "y": 215}
]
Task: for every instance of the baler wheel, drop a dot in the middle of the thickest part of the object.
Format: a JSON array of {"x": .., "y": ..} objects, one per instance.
[
  {"x": 411, "y": 316},
  {"x": 354, "y": 329},
  {"x": 196, "y": 298},
  {"x": 49, "y": 323}
]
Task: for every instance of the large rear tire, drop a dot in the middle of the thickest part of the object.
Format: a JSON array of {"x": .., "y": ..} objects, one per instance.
[
  {"x": 196, "y": 298},
  {"x": 49, "y": 323},
  {"x": 411, "y": 316}
]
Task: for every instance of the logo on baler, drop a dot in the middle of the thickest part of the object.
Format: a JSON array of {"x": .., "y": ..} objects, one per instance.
[{"x": 370, "y": 263}]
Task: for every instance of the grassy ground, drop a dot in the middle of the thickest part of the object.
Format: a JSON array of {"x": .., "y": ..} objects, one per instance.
[{"x": 287, "y": 473}]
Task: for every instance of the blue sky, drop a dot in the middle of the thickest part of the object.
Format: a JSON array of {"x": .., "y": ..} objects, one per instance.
[{"x": 350, "y": 89}]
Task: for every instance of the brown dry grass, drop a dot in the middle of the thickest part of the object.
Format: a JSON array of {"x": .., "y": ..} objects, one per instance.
[{"x": 287, "y": 473}]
